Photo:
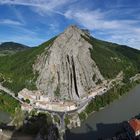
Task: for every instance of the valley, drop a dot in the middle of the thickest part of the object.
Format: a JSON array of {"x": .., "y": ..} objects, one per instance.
[
  {"x": 69, "y": 69},
  {"x": 67, "y": 78}
]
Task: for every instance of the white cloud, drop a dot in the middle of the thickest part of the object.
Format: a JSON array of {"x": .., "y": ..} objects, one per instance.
[
  {"x": 107, "y": 23},
  {"x": 22, "y": 35},
  {"x": 23, "y": 39},
  {"x": 54, "y": 27},
  {"x": 97, "y": 20},
  {"x": 18, "y": 15},
  {"x": 10, "y": 22},
  {"x": 40, "y": 6},
  {"x": 122, "y": 31},
  {"x": 129, "y": 37}
]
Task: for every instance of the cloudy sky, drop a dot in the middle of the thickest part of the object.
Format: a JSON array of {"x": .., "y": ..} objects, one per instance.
[{"x": 32, "y": 22}]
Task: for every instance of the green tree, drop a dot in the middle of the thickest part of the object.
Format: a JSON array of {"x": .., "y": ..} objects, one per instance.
[{"x": 27, "y": 101}]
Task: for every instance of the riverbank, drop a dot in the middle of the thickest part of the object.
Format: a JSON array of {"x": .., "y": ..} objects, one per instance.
[
  {"x": 7, "y": 107},
  {"x": 106, "y": 122},
  {"x": 4, "y": 117},
  {"x": 103, "y": 101}
]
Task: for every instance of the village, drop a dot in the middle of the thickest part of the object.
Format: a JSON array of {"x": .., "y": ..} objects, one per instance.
[{"x": 36, "y": 99}]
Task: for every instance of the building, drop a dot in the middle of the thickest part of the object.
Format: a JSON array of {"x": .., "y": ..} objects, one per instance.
[
  {"x": 44, "y": 98},
  {"x": 40, "y": 101},
  {"x": 135, "y": 126},
  {"x": 26, "y": 107},
  {"x": 41, "y": 104},
  {"x": 33, "y": 96},
  {"x": 56, "y": 106}
]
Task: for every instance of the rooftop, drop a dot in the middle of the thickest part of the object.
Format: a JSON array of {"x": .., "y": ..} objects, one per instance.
[
  {"x": 27, "y": 93},
  {"x": 135, "y": 124},
  {"x": 26, "y": 105}
]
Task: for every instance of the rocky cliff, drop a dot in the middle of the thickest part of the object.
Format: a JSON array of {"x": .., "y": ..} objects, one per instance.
[
  {"x": 67, "y": 65},
  {"x": 66, "y": 70}
]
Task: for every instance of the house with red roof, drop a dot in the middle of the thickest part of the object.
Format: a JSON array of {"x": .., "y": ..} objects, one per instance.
[{"x": 135, "y": 126}]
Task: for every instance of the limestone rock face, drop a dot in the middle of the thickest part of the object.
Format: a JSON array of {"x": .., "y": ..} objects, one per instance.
[{"x": 67, "y": 71}]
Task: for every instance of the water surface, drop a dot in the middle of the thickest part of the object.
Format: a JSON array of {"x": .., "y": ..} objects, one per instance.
[
  {"x": 4, "y": 117},
  {"x": 106, "y": 122}
]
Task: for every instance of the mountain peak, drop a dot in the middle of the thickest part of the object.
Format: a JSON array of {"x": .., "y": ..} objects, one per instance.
[
  {"x": 73, "y": 29},
  {"x": 68, "y": 70}
]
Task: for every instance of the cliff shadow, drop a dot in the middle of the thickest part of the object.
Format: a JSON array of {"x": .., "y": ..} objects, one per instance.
[
  {"x": 34, "y": 128},
  {"x": 102, "y": 131}
]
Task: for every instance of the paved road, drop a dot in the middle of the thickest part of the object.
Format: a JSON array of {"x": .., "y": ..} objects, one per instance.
[{"x": 10, "y": 93}]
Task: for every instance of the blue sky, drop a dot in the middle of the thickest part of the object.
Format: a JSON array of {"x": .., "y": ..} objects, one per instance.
[{"x": 32, "y": 22}]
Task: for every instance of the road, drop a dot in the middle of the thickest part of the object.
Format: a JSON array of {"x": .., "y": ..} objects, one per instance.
[{"x": 10, "y": 93}]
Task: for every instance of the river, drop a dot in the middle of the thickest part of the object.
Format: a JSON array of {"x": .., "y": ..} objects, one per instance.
[{"x": 105, "y": 123}]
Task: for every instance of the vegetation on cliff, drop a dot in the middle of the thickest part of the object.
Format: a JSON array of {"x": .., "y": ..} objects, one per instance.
[
  {"x": 101, "y": 101},
  {"x": 16, "y": 70},
  {"x": 112, "y": 58}
]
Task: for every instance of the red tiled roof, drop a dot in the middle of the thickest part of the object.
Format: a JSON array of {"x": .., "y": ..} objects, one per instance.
[{"x": 135, "y": 124}]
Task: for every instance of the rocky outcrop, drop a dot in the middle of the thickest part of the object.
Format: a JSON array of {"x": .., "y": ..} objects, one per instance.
[{"x": 67, "y": 71}]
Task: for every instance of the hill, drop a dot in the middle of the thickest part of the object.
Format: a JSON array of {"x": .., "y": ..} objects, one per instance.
[
  {"x": 16, "y": 70},
  {"x": 112, "y": 58},
  {"x": 11, "y": 48}
]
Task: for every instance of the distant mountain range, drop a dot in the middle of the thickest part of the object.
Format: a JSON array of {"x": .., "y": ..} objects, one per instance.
[
  {"x": 11, "y": 48},
  {"x": 67, "y": 66}
]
